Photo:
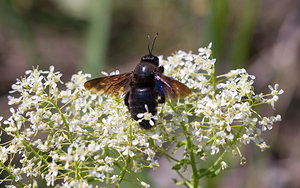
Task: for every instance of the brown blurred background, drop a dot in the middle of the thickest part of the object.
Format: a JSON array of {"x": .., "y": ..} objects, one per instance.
[{"x": 91, "y": 35}]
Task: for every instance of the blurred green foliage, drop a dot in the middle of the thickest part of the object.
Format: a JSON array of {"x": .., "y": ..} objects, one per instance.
[
  {"x": 11, "y": 19},
  {"x": 97, "y": 37},
  {"x": 115, "y": 31}
]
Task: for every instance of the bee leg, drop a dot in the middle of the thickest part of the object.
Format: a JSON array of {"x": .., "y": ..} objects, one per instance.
[
  {"x": 126, "y": 99},
  {"x": 162, "y": 99}
]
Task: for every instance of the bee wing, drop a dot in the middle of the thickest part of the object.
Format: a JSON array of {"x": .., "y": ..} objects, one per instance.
[
  {"x": 110, "y": 85},
  {"x": 170, "y": 88}
]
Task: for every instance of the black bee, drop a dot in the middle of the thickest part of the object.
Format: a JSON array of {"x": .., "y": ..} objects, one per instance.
[{"x": 145, "y": 87}]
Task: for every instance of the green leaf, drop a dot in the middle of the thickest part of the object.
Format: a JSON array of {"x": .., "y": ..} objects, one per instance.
[
  {"x": 205, "y": 172},
  {"x": 177, "y": 166},
  {"x": 180, "y": 164},
  {"x": 202, "y": 170}
]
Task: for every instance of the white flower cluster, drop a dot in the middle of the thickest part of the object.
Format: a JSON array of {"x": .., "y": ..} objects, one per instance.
[{"x": 74, "y": 138}]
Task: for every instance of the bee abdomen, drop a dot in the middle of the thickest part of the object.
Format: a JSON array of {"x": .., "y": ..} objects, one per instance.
[{"x": 139, "y": 97}]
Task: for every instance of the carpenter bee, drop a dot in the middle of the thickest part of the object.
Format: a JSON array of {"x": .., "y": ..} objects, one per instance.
[{"x": 145, "y": 87}]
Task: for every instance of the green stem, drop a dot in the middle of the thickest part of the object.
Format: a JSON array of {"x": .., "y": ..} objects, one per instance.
[
  {"x": 167, "y": 155},
  {"x": 123, "y": 171},
  {"x": 14, "y": 177},
  {"x": 208, "y": 171},
  {"x": 63, "y": 118},
  {"x": 185, "y": 181},
  {"x": 77, "y": 176},
  {"x": 189, "y": 145},
  {"x": 35, "y": 153},
  {"x": 236, "y": 136},
  {"x": 213, "y": 79},
  {"x": 171, "y": 105},
  {"x": 192, "y": 157}
]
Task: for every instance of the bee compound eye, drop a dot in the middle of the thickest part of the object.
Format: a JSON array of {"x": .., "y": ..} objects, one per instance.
[{"x": 161, "y": 69}]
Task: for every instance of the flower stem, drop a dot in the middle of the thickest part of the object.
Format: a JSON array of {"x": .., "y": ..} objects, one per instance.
[
  {"x": 189, "y": 145},
  {"x": 166, "y": 154},
  {"x": 123, "y": 171},
  {"x": 192, "y": 157},
  {"x": 63, "y": 118},
  {"x": 14, "y": 177},
  {"x": 213, "y": 77},
  {"x": 35, "y": 153}
]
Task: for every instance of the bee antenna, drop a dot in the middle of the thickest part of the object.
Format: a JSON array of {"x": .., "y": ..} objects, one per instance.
[
  {"x": 149, "y": 44},
  {"x": 155, "y": 36}
]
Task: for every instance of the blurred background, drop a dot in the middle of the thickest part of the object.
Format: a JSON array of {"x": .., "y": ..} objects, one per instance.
[{"x": 92, "y": 35}]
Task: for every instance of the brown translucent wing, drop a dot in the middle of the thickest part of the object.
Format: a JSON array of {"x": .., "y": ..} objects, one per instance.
[
  {"x": 171, "y": 88},
  {"x": 110, "y": 85}
]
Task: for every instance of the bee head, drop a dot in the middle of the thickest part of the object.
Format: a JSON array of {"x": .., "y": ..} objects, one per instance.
[{"x": 151, "y": 58}]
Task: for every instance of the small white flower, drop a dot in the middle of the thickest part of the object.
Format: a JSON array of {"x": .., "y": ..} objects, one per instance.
[
  {"x": 127, "y": 151},
  {"x": 3, "y": 154},
  {"x": 145, "y": 185},
  {"x": 263, "y": 146},
  {"x": 277, "y": 118},
  {"x": 205, "y": 52},
  {"x": 147, "y": 116},
  {"x": 246, "y": 139},
  {"x": 104, "y": 73},
  {"x": 223, "y": 165},
  {"x": 214, "y": 150},
  {"x": 275, "y": 93}
]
